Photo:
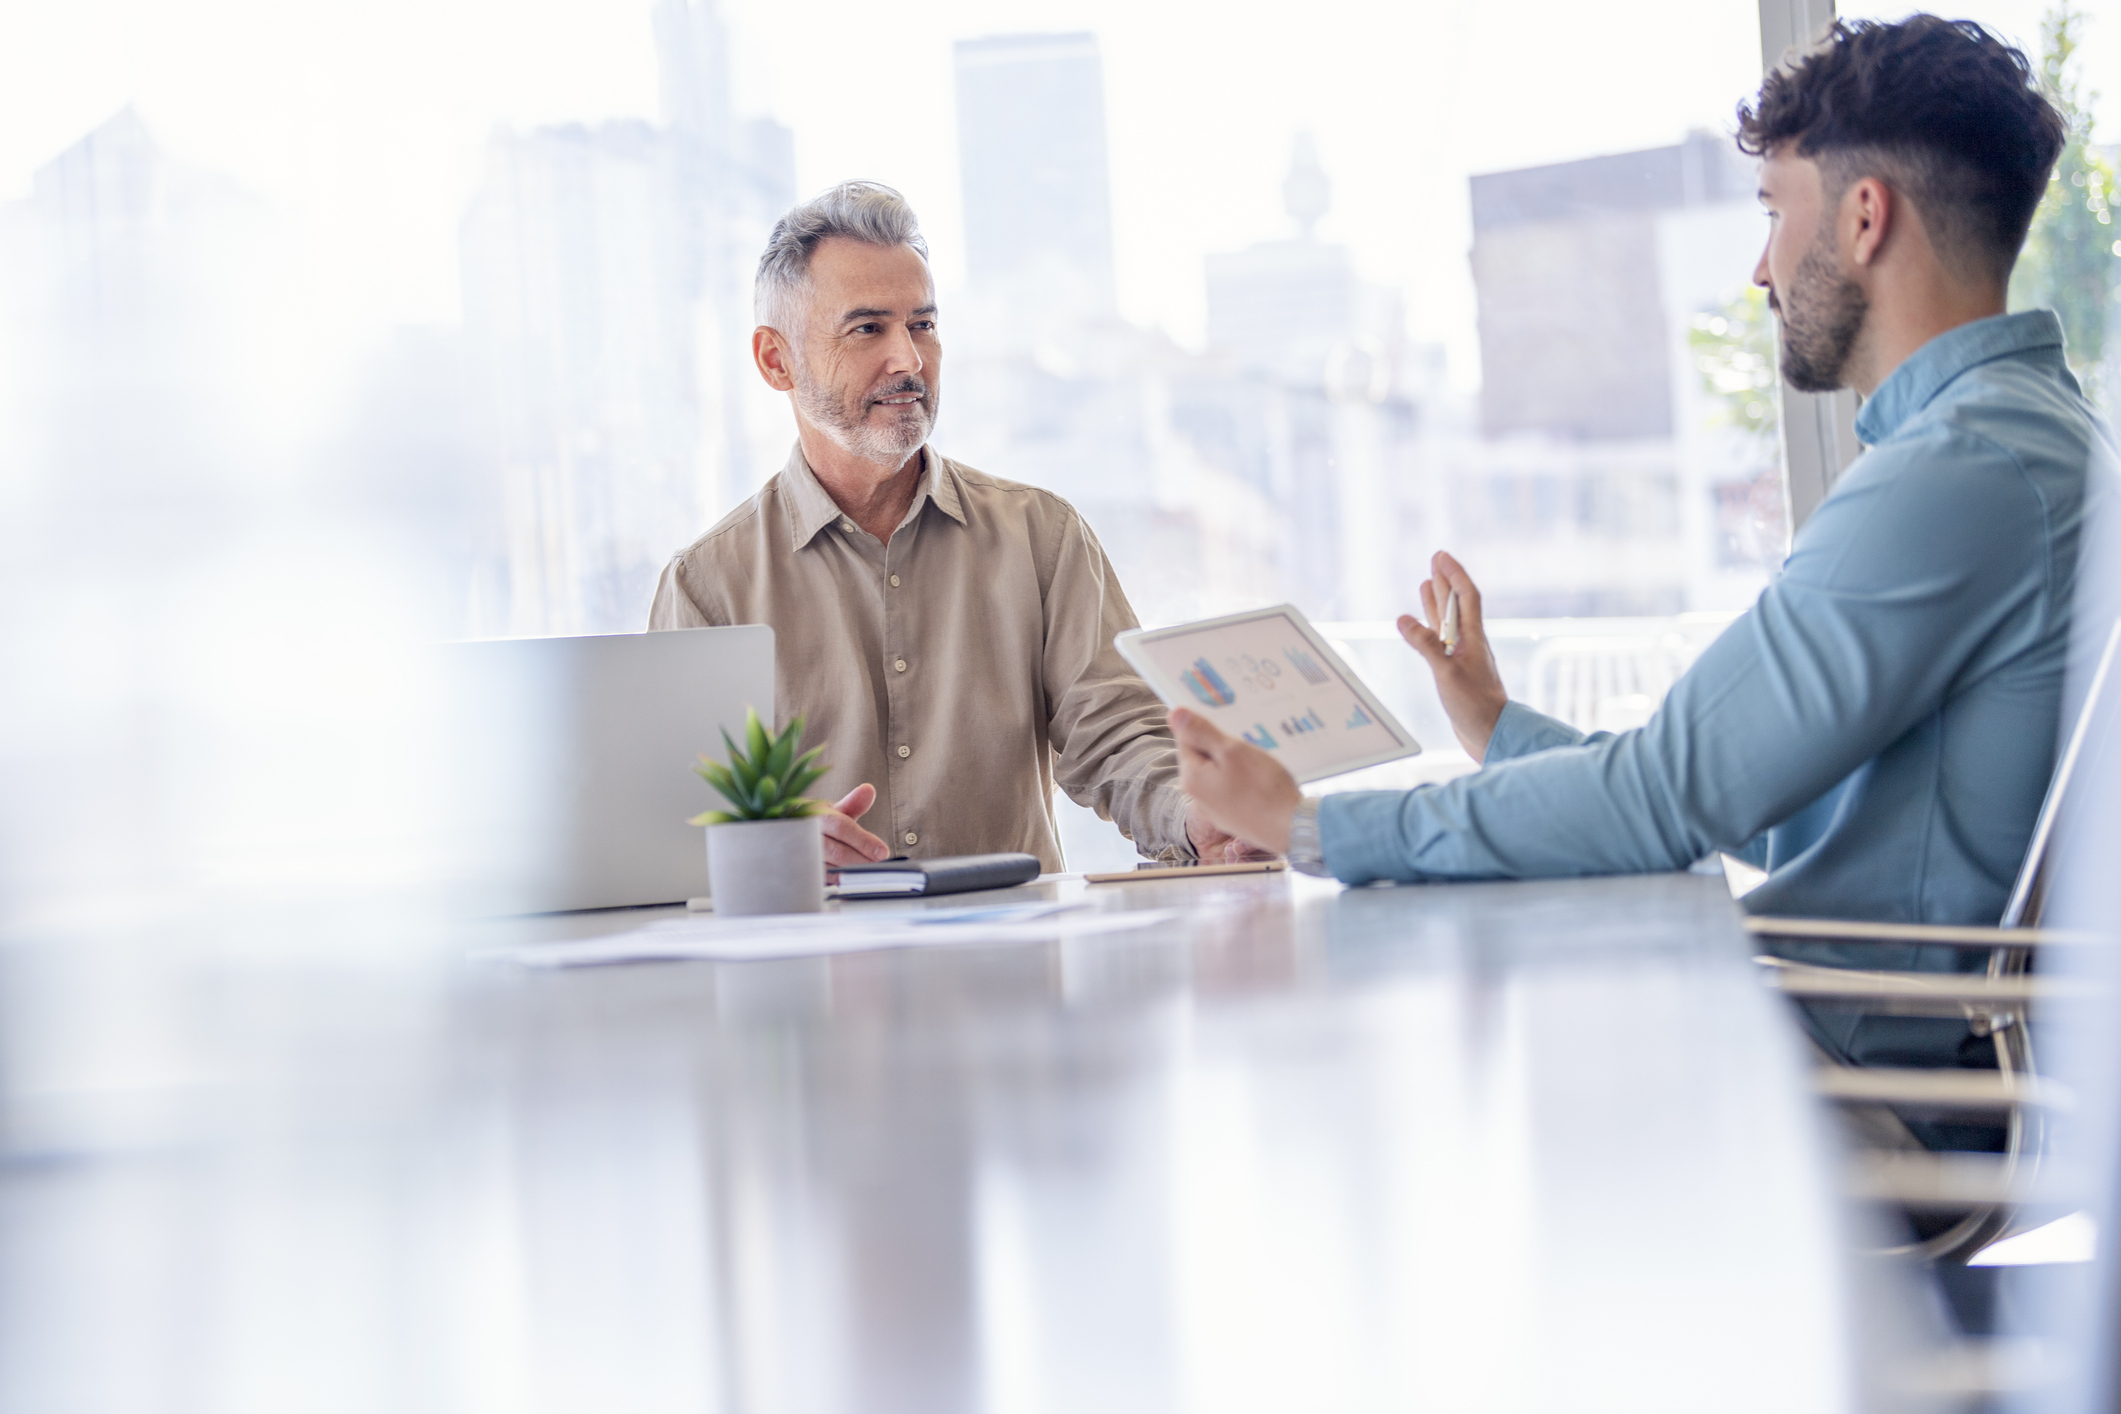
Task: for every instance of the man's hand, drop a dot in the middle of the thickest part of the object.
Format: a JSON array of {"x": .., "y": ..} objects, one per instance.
[
  {"x": 1466, "y": 677},
  {"x": 845, "y": 841},
  {"x": 1238, "y": 788},
  {"x": 1214, "y": 845}
]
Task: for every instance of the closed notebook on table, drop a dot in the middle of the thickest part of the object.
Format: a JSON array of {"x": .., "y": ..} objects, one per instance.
[{"x": 953, "y": 874}]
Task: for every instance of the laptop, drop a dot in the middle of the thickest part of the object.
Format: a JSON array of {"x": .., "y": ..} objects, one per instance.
[{"x": 568, "y": 763}]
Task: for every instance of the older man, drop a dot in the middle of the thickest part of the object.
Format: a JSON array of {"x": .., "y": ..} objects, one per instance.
[{"x": 948, "y": 634}]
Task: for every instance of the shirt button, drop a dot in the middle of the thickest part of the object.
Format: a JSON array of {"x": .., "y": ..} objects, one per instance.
[
  {"x": 894, "y": 581},
  {"x": 900, "y": 665},
  {"x": 912, "y": 838},
  {"x": 904, "y": 752},
  {"x": 846, "y": 525}
]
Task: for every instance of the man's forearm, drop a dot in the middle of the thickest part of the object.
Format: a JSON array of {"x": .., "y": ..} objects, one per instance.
[
  {"x": 1596, "y": 809},
  {"x": 1520, "y": 731},
  {"x": 1137, "y": 786}
]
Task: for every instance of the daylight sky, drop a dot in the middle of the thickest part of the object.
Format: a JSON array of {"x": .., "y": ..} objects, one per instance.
[{"x": 369, "y": 119}]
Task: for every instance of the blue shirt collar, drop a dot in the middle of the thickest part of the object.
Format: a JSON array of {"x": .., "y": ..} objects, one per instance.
[{"x": 1911, "y": 386}]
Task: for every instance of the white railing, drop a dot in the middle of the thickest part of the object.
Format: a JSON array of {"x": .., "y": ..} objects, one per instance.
[
  {"x": 1603, "y": 674},
  {"x": 1596, "y": 674}
]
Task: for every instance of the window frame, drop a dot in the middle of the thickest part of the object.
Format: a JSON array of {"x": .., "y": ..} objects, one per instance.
[{"x": 1818, "y": 429}]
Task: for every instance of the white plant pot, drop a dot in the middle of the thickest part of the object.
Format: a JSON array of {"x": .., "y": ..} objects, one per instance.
[{"x": 766, "y": 866}]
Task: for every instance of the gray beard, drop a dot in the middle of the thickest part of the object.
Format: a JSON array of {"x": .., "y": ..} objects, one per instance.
[
  {"x": 1820, "y": 322},
  {"x": 851, "y": 431}
]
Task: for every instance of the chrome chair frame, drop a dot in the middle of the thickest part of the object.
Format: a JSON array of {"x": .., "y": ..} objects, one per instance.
[{"x": 1997, "y": 1003}]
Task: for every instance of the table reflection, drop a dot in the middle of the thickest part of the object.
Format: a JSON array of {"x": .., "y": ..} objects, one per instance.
[{"x": 1484, "y": 1147}]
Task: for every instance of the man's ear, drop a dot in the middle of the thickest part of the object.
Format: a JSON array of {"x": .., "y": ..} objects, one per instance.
[
  {"x": 774, "y": 358},
  {"x": 1868, "y": 210}
]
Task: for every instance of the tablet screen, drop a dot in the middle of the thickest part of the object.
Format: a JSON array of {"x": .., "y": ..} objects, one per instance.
[{"x": 1263, "y": 680}]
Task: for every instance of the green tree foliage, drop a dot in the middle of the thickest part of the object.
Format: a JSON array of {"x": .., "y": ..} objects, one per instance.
[
  {"x": 1733, "y": 348},
  {"x": 1734, "y": 351},
  {"x": 2073, "y": 256}
]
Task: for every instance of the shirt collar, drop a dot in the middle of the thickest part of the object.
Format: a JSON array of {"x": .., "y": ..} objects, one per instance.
[
  {"x": 1915, "y": 383},
  {"x": 812, "y": 507}
]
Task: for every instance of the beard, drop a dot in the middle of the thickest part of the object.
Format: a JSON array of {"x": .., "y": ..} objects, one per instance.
[
  {"x": 1821, "y": 321},
  {"x": 847, "y": 420}
]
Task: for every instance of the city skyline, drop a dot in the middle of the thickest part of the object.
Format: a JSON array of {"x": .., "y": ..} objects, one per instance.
[
  {"x": 1035, "y": 178},
  {"x": 1310, "y": 448},
  {"x": 274, "y": 106},
  {"x": 606, "y": 294},
  {"x": 1193, "y": 171}
]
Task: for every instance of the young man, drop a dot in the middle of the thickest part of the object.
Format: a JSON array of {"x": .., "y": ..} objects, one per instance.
[
  {"x": 1878, "y": 730},
  {"x": 947, "y": 634}
]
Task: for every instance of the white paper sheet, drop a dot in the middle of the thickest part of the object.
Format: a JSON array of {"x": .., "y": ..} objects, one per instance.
[{"x": 816, "y": 934}]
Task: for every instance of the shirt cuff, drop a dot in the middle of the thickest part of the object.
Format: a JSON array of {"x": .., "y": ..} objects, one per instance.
[
  {"x": 1520, "y": 731},
  {"x": 1358, "y": 836},
  {"x": 1305, "y": 854},
  {"x": 1171, "y": 842}
]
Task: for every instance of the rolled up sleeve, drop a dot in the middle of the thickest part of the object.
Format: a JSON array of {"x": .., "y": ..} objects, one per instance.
[
  {"x": 1854, "y": 644},
  {"x": 1114, "y": 750},
  {"x": 1520, "y": 731}
]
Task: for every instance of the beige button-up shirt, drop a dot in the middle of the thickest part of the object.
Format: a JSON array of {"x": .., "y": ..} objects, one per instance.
[{"x": 961, "y": 668}]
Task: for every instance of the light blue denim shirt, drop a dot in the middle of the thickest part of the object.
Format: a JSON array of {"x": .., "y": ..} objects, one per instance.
[{"x": 1878, "y": 729}]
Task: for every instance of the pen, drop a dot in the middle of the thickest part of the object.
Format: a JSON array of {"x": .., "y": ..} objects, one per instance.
[{"x": 1447, "y": 629}]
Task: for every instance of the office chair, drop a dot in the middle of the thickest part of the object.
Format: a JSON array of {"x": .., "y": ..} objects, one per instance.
[{"x": 1985, "y": 1190}]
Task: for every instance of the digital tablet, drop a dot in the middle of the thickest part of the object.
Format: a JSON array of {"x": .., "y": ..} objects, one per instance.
[{"x": 1267, "y": 676}]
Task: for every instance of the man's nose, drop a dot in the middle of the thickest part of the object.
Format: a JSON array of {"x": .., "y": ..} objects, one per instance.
[
  {"x": 1760, "y": 272},
  {"x": 905, "y": 358}
]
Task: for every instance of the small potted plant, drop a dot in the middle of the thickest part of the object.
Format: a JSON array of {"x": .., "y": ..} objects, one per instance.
[{"x": 765, "y": 854}]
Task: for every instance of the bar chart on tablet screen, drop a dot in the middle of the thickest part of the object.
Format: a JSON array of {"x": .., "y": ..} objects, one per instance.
[
  {"x": 1307, "y": 665},
  {"x": 1262, "y": 680}
]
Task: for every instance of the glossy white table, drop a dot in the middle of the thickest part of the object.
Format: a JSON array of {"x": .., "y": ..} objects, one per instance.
[{"x": 1512, "y": 1147}]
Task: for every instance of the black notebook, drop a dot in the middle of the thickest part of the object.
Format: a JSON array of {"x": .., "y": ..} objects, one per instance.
[{"x": 954, "y": 874}]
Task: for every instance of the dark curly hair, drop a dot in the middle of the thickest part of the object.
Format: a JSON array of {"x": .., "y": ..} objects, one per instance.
[{"x": 1941, "y": 110}]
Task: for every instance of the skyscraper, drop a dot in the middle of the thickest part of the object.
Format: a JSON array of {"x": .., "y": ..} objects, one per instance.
[
  {"x": 607, "y": 300},
  {"x": 1287, "y": 306},
  {"x": 1313, "y": 416},
  {"x": 1602, "y": 473},
  {"x": 582, "y": 304},
  {"x": 1037, "y": 191},
  {"x": 137, "y": 292},
  {"x": 1566, "y": 263}
]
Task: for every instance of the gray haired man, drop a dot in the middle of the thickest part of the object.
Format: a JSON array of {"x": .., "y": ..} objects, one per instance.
[{"x": 948, "y": 634}]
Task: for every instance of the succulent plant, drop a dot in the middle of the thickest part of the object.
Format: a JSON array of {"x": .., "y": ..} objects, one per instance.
[{"x": 768, "y": 782}]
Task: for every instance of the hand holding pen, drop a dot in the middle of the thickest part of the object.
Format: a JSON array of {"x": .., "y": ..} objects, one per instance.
[{"x": 1454, "y": 643}]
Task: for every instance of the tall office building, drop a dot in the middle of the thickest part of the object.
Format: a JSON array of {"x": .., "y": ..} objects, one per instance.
[
  {"x": 739, "y": 172},
  {"x": 1037, "y": 189},
  {"x": 607, "y": 301},
  {"x": 1286, "y": 305},
  {"x": 1574, "y": 335},
  {"x": 1313, "y": 415},
  {"x": 1600, "y": 482},
  {"x": 582, "y": 306},
  {"x": 138, "y": 291}
]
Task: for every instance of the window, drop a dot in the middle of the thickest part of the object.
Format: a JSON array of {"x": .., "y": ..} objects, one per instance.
[
  {"x": 443, "y": 317},
  {"x": 1216, "y": 291}
]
